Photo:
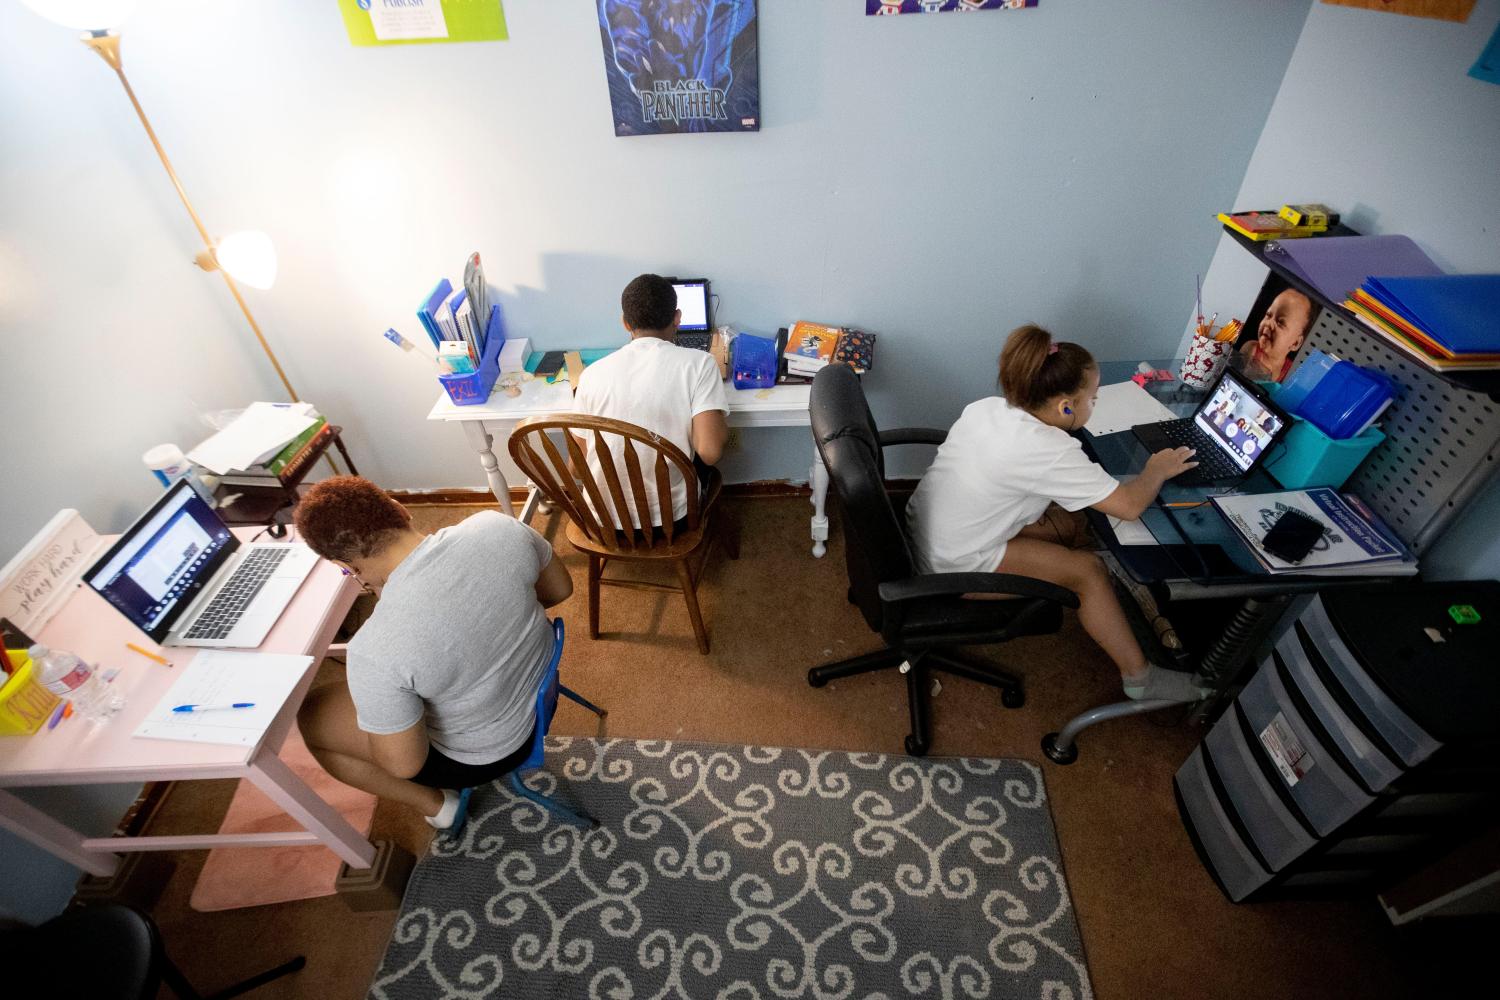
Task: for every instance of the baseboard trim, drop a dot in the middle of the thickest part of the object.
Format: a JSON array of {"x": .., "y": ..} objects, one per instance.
[{"x": 484, "y": 498}]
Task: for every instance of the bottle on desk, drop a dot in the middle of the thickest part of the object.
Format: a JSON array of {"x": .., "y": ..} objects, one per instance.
[{"x": 67, "y": 676}]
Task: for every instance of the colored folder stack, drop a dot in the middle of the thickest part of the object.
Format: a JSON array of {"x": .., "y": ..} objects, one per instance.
[{"x": 1446, "y": 321}]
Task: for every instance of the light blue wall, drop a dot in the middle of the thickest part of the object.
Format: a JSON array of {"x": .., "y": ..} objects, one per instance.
[
  {"x": 937, "y": 180},
  {"x": 1378, "y": 117}
]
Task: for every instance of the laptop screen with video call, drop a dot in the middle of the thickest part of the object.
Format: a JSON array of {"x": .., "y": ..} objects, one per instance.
[
  {"x": 692, "y": 299},
  {"x": 1238, "y": 422},
  {"x": 162, "y": 561}
]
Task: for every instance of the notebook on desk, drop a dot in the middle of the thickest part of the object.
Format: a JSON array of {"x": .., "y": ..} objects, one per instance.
[
  {"x": 1232, "y": 430},
  {"x": 179, "y": 574}
]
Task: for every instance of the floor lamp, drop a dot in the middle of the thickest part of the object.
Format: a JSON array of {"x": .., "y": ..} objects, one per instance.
[{"x": 248, "y": 256}]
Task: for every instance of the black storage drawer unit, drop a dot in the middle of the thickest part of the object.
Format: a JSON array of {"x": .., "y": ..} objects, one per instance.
[{"x": 1366, "y": 742}]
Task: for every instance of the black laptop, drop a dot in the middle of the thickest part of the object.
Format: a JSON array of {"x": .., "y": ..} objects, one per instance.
[
  {"x": 696, "y": 329},
  {"x": 1232, "y": 431}
]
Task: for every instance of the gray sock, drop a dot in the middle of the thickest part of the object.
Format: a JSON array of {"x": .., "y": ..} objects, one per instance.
[{"x": 1164, "y": 685}]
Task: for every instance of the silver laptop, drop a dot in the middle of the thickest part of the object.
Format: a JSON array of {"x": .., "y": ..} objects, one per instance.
[{"x": 179, "y": 574}]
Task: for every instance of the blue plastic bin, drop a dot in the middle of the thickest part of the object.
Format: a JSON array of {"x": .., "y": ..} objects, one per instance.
[
  {"x": 1309, "y": 372},
  {"x": 755, "y": 362},
  {"x": 1346, "y": 398},
  {"x": 473, "y": 388},
  {"x": 1307, "y": 457}
]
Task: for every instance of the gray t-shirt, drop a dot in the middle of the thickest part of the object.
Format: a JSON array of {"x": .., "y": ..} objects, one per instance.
[{"x": 459, "y": 640}]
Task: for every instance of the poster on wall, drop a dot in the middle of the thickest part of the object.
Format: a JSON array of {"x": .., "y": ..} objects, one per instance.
[
  {"x": 875, "y": 8},
  {"x": 411, "y": 22},
  {"x": 684, "y": 66},
  {"x": 1442, "y": 10}
]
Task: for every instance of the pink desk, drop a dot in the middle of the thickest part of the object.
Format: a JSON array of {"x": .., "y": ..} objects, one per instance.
[{"x": 82, "y": 753}]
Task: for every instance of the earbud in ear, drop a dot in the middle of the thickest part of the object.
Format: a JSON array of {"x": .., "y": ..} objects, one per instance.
[{"x": 1068, "y": 410}]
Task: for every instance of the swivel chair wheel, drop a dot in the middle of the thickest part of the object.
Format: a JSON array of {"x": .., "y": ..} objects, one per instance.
[
  {"x": 1056, "y": 754},
  {"x": 915, "y": 747},
  {"x": 1012, "y": 697},
  {"x": 815, "y": 679}
]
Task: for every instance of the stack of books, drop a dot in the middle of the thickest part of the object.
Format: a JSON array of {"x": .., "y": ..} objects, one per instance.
[
  {"x": 1355, "y": 541},
  {"x": 288, "y": 463},
  {"x": 810, "y": 347},
  {"x": 1447, "y": 321},
  {"x": 455, "y": 321}
]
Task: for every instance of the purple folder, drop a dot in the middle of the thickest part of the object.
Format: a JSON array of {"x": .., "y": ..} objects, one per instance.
[{"x": 1337, "y": 265}]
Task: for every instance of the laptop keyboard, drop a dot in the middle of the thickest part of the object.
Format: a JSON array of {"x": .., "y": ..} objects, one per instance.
[
  {"x": 1212, "y": 462},
  {"x": 224, "y": 611},
  {"x": 697, "y": 341}
]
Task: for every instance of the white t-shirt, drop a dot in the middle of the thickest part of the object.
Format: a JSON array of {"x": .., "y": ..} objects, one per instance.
[
  {"x": 995, "y": 474},
  {"x": 661, "y": 387}
]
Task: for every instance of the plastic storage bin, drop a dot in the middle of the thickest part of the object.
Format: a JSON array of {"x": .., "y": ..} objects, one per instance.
[
  {"x": 474, "y": 387},
  {"x": 24, "y": 704},
  {"x": 755, "y": 362},
  {"x": 1308, "y": 457},
  {"x": 1346, "y": 398},
  {"x": 1299, "y": 383}
]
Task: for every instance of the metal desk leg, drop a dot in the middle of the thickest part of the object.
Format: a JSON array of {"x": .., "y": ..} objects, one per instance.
[
  {"x": 481, "y": 441},
  {"x": 36, "y": 827},
  {"x": 817, "y": 477},
  {"x": 533, "y": 501}
]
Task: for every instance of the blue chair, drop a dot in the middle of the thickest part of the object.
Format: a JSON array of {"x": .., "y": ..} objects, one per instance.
[{"x": 546, "y": 708}]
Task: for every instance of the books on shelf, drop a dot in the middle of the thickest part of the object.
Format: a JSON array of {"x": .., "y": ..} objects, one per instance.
[
  {"x": 1267, "y": 225},
  {"x": 1355, "y": 542},
  {"x": 286, "y": 465}
]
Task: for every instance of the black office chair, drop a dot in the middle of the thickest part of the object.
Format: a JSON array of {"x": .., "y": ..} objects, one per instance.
[
  {"x": 920, "y": 616},
  {"x": 105, "y": 952}
]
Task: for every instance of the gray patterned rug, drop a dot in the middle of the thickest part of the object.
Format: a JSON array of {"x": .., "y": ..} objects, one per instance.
[{"x": 734, "y": 873}]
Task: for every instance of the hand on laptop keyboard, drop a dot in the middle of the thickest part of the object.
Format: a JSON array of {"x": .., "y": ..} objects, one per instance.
[{"x": 1171, "y": 462}]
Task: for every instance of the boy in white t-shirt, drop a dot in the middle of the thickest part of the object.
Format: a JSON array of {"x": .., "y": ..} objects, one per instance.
[
  {"x": 978, "y": 508},
  {"x": 674, "y": 392}
]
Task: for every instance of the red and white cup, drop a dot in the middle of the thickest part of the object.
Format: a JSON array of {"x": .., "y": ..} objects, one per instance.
[{"x": 1206, "y": 357}]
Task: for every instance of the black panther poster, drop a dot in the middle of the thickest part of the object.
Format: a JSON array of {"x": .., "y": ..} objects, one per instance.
[{"x": 681, "y": 65}]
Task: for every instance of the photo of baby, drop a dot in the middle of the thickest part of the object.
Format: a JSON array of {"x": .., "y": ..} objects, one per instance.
[{"x": 1265, "y": 352}]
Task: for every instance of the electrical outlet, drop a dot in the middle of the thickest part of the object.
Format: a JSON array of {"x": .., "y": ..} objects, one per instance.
[{"x": 732, "y": 443}]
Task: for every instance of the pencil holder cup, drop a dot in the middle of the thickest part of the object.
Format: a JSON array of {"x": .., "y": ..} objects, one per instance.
[
  {"x": 1205, "y": 359},
  {"x": 24, "y": 704}
]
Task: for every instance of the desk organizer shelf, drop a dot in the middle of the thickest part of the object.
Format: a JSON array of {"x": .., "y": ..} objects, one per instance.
[{"x": 473, "y": 388}]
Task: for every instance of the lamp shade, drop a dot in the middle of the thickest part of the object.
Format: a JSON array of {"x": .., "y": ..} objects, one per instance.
[
  {"x": 85, "y": 15},
  {"x": 249, "y": 257}
]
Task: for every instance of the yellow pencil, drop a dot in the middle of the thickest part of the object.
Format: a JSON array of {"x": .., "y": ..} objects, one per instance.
[{"x": 148, "y": 654}]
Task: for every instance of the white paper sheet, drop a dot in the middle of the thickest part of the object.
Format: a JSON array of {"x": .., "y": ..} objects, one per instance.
[
  {"x": 218, "y": 677},
  {"x": 1123, "y": 405},
  {"x": 398, "y": 19},
  {"x": 255, "y": 435},
  {"x": 1132, "y": 532}
]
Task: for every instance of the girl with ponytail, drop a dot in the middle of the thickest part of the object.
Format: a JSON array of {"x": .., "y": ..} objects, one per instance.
[{"x": 981, "y": 506}]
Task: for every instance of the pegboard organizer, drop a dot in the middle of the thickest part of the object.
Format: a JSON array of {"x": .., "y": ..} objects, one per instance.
[{"x": 1442, "y": 440}]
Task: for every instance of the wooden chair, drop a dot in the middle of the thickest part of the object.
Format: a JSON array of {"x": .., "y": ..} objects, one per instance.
[{"x": 547, "y": 450}]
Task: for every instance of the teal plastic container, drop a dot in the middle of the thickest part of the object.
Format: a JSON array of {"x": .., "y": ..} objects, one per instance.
[{"x": 1308, "y": 457}]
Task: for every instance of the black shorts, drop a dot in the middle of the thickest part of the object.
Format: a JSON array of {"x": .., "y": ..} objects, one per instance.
[{"x": 442, "y": 771}]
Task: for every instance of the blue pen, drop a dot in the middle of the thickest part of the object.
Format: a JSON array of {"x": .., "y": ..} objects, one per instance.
[{"x": 213, "y": 708}]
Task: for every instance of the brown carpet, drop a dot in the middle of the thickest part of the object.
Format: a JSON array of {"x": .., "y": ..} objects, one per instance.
[{"x": 1153, "y": 923}]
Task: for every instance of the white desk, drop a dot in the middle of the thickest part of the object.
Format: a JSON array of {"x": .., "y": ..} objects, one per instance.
[
  {"x": 78, "y": 752},
  {"x": 780, "y": 406}
]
